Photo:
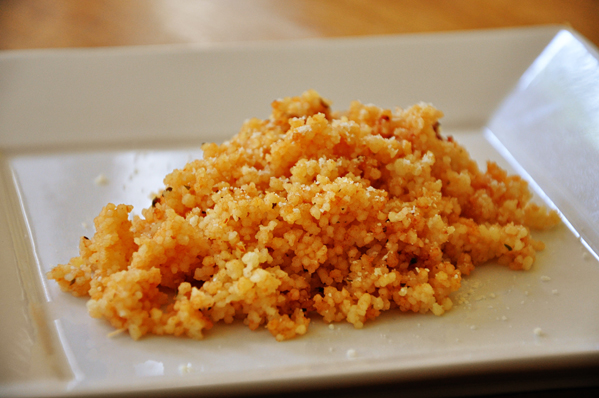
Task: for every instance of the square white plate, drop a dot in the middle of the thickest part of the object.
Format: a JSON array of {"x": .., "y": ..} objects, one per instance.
[{"x": 521, "y": 97}]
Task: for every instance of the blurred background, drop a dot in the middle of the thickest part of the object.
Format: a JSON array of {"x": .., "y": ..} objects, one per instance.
[{"x": 93, "y": 23}]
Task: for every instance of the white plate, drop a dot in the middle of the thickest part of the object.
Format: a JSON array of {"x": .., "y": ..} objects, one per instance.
[{"x": 133, "y": 114}]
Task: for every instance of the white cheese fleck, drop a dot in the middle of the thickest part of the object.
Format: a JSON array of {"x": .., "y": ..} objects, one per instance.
[{"x": 304, "y": 129}]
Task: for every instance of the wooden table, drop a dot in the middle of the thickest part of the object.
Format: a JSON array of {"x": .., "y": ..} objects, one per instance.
[
  {"x": 91, "y": 23},
  {"x": 28, "y": 24}
]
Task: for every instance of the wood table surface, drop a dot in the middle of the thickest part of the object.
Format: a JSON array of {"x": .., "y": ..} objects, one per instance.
[{"x": 92, "y": 23}]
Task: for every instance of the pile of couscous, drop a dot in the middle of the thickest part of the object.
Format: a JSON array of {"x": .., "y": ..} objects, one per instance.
[{"x": 308, "y": 212}]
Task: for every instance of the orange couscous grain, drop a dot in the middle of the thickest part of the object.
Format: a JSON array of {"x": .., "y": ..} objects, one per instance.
[{"x": 308, "y": 212}]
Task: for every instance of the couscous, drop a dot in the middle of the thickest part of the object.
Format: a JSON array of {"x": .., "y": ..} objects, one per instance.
[{"x": 307, "y": 213}]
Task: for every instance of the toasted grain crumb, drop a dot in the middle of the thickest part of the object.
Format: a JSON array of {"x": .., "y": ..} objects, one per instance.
[
  {"x": 185, "y": 368},
  {"x": 115, "y": 333},
  {"x": 351, "y": 353},
  {"x": 538, "y": 332},
  {"x": 545, "y": 278},
  {"x": 101, "y": 179}
]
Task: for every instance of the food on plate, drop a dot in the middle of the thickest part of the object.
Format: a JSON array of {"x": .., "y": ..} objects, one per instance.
[{"x": 340, "y": 214}]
